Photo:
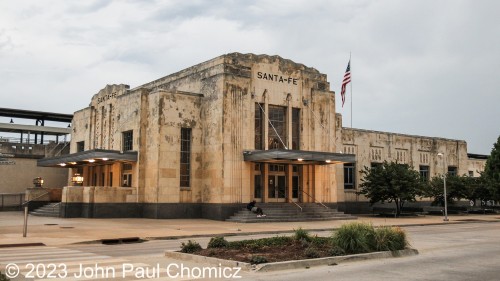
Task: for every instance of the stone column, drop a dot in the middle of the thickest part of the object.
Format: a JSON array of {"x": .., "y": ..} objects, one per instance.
[
  {"x": 265, "y": 175},
  {"x": 289, "y": 182}
]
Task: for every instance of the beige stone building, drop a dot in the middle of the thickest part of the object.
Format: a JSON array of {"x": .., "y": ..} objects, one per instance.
[
  {"x": 203, "y": 141},
  {"x": 431, "y": 156}
]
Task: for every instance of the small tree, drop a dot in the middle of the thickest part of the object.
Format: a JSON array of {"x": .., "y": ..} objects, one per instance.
[
  {"x": 481, "y": 189},
  {"x": 492, "y": 167},
  {"x": 391, "y": 182},
  {"x": 457, "y": 187},
  {"x": 491, "y": 175}
]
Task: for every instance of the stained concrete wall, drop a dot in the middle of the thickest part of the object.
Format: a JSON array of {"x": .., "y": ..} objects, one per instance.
[
  {"x": 475, "y": 166},
  {"x": 22, "y": 172},
  {"x": 377, "y": 147}
]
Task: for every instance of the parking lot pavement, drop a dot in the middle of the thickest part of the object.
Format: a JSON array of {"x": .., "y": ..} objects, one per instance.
[{"x": 61, "y": 231}]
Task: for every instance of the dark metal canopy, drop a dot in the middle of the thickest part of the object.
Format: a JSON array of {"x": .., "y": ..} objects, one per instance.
[
  {"x": 477, "y": 156},
  {"x": 21, "y": 128},
  {"x": 29, "y": 114},
  {"x": 298, "y": 157},
  {"x": 96, "y": 157}
]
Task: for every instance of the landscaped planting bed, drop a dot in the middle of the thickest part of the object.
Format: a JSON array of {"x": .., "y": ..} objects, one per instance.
[{"x": 352, "y": 238}]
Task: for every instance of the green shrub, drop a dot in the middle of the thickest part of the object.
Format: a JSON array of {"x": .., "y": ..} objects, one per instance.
[
  {"x": 3, "y": 277},
  {"x": 301, "y": 234},
  {"x": 190, "y": 247},
  {"x": 311, "y": 253},
  {"x": 259, "y": 243},
  {"x": 390, "y": 239},
  {"x": 217, "y": 242},
  {"x": 258, "y": 259},
  {"x": 355, "y": 238}
]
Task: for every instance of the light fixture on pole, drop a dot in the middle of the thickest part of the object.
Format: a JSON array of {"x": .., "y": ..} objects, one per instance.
[
  {"x": 38, "y": 182},
  {"x": 444, "y": 187}
]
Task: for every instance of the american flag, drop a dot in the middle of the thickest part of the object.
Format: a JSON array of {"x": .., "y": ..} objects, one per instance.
[{"x": 347, "y": 79}]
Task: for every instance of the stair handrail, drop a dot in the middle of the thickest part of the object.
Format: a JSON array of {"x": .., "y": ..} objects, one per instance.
[
  {"x": 292, "y": 201},
  {"x": 33, "y": 199},
  {"x": 25, "y": 225},
  {"x": 314, "y": 200},
  {"x": 55, "y": 205}
]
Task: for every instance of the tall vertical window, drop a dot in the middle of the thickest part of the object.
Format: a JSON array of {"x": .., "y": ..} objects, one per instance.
[
  {"x": 185, "y": 157},
  {"x": 295, "y": 128},
  {"x": 349, "y": 176},
  {"x": 80, "y": 146},
  {"x": 424, "y": 173},
  {"x": 128, "y": 137},
  {"x": 258, "y": 127},
  {"x": 277, "y": 128}
]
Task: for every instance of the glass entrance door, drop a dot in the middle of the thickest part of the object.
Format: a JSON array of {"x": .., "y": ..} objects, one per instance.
[
  {"x": 277, "y": 188},
  {"x": 295, "y": 188}
]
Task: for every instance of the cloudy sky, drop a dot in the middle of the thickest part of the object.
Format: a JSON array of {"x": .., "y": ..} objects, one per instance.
[{"x": 419, "y": 67}]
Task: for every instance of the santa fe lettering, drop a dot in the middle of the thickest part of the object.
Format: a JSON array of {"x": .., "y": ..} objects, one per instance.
[
  {"x": 277, "y": 78},
  {"x": 106, "y": 97}
]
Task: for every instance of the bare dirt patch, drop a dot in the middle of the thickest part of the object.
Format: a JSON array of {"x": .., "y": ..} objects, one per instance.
[{"x": 293, "y": 250}]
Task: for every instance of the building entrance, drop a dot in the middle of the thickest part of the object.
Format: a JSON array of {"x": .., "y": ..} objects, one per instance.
[
  {"x": 277, "y": 183},
  {"x": 277, "y": 188}
]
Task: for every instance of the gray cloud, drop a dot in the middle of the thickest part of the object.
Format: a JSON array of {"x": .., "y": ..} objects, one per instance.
[{"x": 420, "y": 67}]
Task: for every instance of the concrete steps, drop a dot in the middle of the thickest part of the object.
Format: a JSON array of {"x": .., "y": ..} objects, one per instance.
[
  {"x": 288, "y": 212},
  {"x": 49, "y": 210}
]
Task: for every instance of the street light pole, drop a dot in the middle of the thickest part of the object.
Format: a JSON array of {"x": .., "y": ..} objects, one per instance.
[{"x": 444, "y": 187}]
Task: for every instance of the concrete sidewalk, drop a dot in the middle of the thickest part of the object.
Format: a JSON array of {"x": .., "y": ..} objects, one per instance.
[{"x": 61, "y": 231}]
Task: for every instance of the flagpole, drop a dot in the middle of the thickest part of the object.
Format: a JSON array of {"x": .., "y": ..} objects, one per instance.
[{"x": 351, "y": 88}]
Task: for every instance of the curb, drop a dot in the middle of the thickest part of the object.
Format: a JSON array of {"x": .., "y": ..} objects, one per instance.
[
  {"x": 36, "y": 244},
  {"x": 285, "y": 265},
  {"x": 334, "y": 260}
]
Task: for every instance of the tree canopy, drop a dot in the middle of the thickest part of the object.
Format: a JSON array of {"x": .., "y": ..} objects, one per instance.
[
  {"x": 391, "y": 182},
  {"x": 491, "y": 174},
  {"x": 492, "y": 167}
]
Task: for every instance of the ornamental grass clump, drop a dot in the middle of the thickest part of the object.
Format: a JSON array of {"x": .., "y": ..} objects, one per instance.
[
  {"x": 390, "y": 239},
  {"x": 355, "y": 238}
]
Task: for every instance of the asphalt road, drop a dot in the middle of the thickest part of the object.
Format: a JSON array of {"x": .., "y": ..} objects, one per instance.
[
  {"x": 468, "y": 251},
  {"x": 447, "y": 252}
]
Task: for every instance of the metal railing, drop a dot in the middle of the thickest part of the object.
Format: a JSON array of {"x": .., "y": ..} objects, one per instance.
[
  {"x": 9, "y": 201},
  {"x": 291, "y": 201},
  {"x": 33, "y": 199},
  {"x": 314, "y": 200},
  {"x": 25, "y": 204}
]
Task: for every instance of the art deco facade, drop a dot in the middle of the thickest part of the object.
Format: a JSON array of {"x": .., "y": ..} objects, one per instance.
[{"x": 205, "y": 140}]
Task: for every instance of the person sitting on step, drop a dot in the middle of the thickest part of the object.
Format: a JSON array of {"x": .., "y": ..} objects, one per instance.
[{"x": 254, "y": 209}]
